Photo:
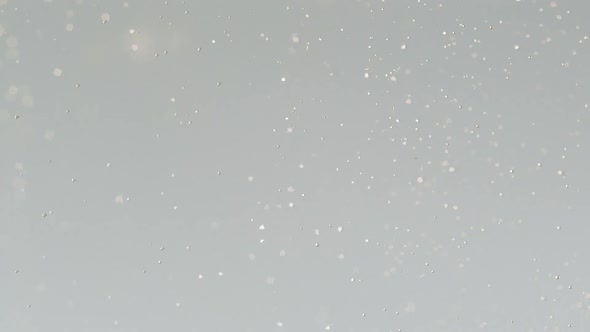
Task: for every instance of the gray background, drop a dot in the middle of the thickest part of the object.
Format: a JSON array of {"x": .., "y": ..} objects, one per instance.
[{"x": 293, "y": 165}]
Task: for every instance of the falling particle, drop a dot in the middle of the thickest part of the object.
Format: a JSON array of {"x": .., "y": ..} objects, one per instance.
[
  {"x": 74, "y": 180},
  {"x": 218, "y": 173},
  {"x": 328, "y": 327},
  {"x": 220, "y": 274},
  {"x": 200, "y": 276},
  {"x": 560, "y": 172},
  {"x": 261, "y": 227},
  {"x": 408, "y": 101},
  {"x": 516, "y": 47},
  {"x": 282, "y": 253},
  {"x": 270, "y": 280},
  {"x": 339, "y": 228},
  {"x": 366, "y": 75},
  {"x": 44, "y": 215},
  {"x": 213, "y": 41},
  {"x": 177, "y": 304},
  {"x": 134, "y": 47},
  {"x": 16, "y": 116},
  {"x": 403, "y": 47},
  {"x": 69, "y": 27},
  {"x": 420, "y": 179},
  {"x": 218, "y": 83},
  {"x": 451, "y": 169},
  {"x": 105, "y": 17},
  {"x": 301, "y": 166},
  {"x": 250, "y": 178},
  {"x": 283, "y": 79},
  {"x": 280, "y": 324},
  {"x": 119, "y": 199},
  {"x": 317, "y": 244},
  {"x": 57, "y": 72}
]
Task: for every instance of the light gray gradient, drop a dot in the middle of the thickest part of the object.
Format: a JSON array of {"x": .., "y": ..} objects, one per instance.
[{"x": 282, "y": 165}]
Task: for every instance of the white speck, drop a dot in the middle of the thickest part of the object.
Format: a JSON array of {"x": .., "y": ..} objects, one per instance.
[
  {"x": 250, "y": 178},
  {"x": 57, "y": 72},
  {"x": 301, "y": 166},
  {"x": 403, "y": 47},
  {"x": 451, "y": 169},
  {"x": 516, "y": 47},
  {"x": 200, "y": 276},
  {"x": 105, "y": 17},
  {"x": 134, "y": 47},
  {"x": 419, "y": 179},
  {"x": 220, "y": 274},
  {"x": 283, "y": 79},
  {"x": 280, "y": 324},
  {"x": 69, "y": 27},
  {"x": 261, "y": 227},
  {"x": 366, "y": 75},
  {"x": 408, "y": 101},
  {"x": 270, "y": 280},
  {"x": 339, "y": 228}
]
